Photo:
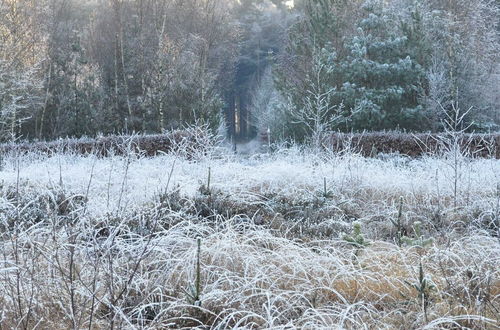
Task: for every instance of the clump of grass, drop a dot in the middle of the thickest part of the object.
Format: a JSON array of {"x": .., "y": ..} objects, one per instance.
[
  {"x": 326, "y": 194},
  {"x": 205, "y": 189}
]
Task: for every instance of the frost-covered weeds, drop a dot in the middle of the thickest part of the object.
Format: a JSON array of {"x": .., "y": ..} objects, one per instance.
[{"x": 91, "y": 242}]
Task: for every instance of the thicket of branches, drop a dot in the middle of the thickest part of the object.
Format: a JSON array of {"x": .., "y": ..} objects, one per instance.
[{"x": 71, "y": 67}]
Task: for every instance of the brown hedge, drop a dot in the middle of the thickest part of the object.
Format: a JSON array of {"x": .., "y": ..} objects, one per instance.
[
  {"x": 413, "y": 145},
  {"x": 149, "y": 145},
  {"x": 367, "y": 144}
]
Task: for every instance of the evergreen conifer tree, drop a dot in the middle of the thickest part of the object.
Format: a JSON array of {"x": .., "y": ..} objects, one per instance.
[{"x": 381, "y": 76}]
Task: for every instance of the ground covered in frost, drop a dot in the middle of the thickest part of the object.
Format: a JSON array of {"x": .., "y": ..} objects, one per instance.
[{"x": 287, "y": 239}]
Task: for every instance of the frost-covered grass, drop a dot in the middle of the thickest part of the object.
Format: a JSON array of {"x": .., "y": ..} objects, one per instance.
[{"x": 92, "y": 242}]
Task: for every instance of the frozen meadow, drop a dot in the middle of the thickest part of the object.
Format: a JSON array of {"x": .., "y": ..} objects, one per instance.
[{"x": 287, "y": 239}]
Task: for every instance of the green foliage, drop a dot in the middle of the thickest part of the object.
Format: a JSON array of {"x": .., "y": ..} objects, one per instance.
[
  {"x": 356, "y": 238},
  {"x": 416, "y": 43},
  {"x": 375, "y": 74},
  {"x": 424, "y": 287},
  {"x": 394, "y": 70},
  {"x": 419, "y": 239},
  {"x": 381, "y": 81}
]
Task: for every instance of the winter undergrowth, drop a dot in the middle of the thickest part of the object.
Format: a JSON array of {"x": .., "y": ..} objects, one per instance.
[{"x": 289, "y": 239}]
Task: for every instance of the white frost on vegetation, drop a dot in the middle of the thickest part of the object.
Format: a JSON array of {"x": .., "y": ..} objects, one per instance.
[
  {"x": 293, "y": 174},
  {"x": 120, "y": 271}
]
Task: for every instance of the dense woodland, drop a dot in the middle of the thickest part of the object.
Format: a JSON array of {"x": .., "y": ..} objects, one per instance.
[{"x": 296, "y": 68}]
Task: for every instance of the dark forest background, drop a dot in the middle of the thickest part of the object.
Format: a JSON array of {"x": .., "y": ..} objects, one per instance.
[{"x": 295, "y": 69}]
